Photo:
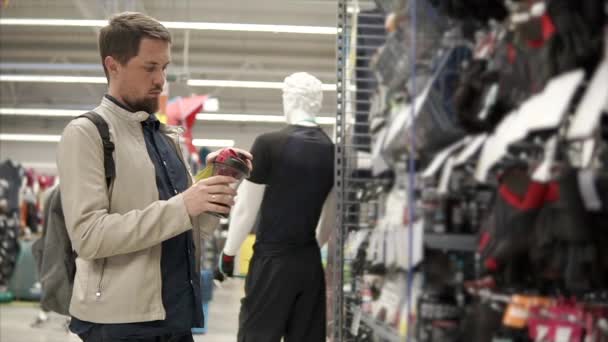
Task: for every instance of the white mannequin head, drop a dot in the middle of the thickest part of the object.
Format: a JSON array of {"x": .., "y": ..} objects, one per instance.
[{"x": 302, "y": 98}]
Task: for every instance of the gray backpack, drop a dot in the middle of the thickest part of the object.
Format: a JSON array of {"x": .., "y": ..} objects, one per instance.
[{"x": 55, "y": 258}]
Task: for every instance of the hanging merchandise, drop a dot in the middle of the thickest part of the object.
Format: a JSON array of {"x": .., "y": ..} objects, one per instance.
[
  {"x": 9, "y": 233},
  {"x": 182, "y": 112},
  {"x": 30, "y": 205},
  {"x": 479, "y": 213},
  {"x": 13, "y": 173}
]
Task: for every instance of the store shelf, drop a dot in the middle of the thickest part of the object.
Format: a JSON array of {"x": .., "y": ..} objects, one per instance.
[
  {"x": 381, "y": 330},
  {"x": 451, "y": 242}
]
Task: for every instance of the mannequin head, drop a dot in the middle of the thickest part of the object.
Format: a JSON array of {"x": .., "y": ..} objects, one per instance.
[{"x": 302, "y": 98}]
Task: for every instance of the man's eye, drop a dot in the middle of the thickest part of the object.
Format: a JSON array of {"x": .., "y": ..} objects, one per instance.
[{"x": 150, "y": 69}]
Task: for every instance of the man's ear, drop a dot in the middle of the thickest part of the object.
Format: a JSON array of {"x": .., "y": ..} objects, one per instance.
[{"x": 112, "y": 65}]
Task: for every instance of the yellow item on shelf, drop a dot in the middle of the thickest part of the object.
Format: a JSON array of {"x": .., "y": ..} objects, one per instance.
[{"x": 245, "y": 254}]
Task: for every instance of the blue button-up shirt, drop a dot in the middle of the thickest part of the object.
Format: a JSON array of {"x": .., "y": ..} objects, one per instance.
[{"x": 181, "y": 292}]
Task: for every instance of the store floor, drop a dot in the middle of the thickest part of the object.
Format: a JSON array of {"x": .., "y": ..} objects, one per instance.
[{"x": 15, "y": 320}]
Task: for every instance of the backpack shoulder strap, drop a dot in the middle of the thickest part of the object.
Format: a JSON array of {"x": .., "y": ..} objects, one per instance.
[{"x": 108, "y": 145}]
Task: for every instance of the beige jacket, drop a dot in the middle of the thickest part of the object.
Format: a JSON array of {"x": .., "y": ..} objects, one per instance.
[{"x": 118, "y": 237}]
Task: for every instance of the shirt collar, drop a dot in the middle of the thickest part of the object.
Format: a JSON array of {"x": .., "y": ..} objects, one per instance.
[
  {"x": 152, "y": 121},
  {"x": 118, "y": 103},
  {"x": 122, "y": 110}
]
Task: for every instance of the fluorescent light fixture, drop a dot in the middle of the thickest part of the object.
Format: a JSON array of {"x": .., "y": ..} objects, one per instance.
[
  {"x": 213, "y": 142},
  {"x": 325, "y": 120},
  {"x": 195, "y": 83},
  {"x": 235, "y": 84},
  {"x": 30, "y": 137},
  {"x": 250, "y": 27},
  {"x": 324, "y": 30},
  {"x": 322, "y": 120},
  {"x": 41, "y": 112},
  {"x": 212, "y": 104},
  {"x": 57, "y": 138},
  {"x": 268, "y": 118},
  {"x": 52, "y": 79},
  {"x": 247, "y": 84},
  {"x": 52, "y": 22},
  {"x": 240, "y": 117},
  {"x": 40, "y": 165}
]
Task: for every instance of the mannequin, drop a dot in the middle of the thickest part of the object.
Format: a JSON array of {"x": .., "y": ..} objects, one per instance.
[{"x": 292, "y": 187}]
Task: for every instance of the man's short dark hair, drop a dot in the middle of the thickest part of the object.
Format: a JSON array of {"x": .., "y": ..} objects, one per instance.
[{"x": 121, "y": 37}]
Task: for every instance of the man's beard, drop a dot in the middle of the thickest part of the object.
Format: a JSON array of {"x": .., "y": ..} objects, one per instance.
[{"x": 149, "y": 106}]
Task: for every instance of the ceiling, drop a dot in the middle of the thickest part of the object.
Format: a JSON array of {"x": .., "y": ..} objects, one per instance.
[{"x": 196, "y": 54}]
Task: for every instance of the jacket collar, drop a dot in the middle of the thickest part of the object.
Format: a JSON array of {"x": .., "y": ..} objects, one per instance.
[
  {"x": 120, "y": 110},
  {"x": 111, "y": 104}
]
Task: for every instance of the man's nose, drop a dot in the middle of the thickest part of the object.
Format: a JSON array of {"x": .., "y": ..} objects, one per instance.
[{"x": 159, "y": 79}]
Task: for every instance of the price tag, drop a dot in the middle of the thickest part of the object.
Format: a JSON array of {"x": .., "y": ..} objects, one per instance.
[
  {"x": 516, "y": 316},
  {"x": 562, "y": 334},
  {"x": 444, "y": 182},
  {"x": 354, "y": 328},
  {"x": 542, "y": 333}
]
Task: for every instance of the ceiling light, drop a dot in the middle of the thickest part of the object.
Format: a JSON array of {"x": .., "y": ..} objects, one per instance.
[
  {"x": 247, "y": 84},
  {"x": 177, "y": 25},
  {"x": 267, "y": 118},
  {"x": 57, "y": 138},
  {"x": 213, "y": 142},
  {"x": 235, "y": 84},
  {"x": 52, "y": 79},
  {"x": 41, "y": 112},
  {"x": 256, "y": 118},
  {"x": 102, "y": 80},
  {"x": 240, "y": 117},
  {"x": 39, "y": 166},
  {"x": 212, "y": 104},
  {"x": 325, "y": 120},
  {"x": 250, "y": 27},
  {"x": 30, "y": 137}
]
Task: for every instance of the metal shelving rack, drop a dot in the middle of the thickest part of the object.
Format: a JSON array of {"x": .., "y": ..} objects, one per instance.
[
  {"x": 354, "y": 49},
  {"x": 360, "y": 32},
  {"x": 353, "y": 161},
  {"x": 340, "y": 157}
]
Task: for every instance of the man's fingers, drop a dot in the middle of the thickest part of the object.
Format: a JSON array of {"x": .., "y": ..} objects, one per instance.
[
  {"x": 248, "y": 155},
  {"x": 211, "y": 156},
  {"x": 222, "y": 199},
  {"x": 222, "y": 209},
  {"x": 218, "y": 180},
  {"x": 220, "y": 190}
]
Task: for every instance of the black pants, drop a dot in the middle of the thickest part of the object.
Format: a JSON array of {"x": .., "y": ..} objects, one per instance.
[
  {"x": 284, "y": 297},
  {"x": 97, "y": 334}
]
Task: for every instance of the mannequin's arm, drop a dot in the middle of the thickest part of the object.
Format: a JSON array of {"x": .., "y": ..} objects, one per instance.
[
  {"x": 327, "y": 222},
  {"x": 242, "y": 218}
]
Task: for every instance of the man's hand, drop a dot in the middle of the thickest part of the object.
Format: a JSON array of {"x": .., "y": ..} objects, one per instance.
[
  {"x": 225, "y": 265},
  {"x": 211, "y": 194},
  {"x": 248, "y": 157}
]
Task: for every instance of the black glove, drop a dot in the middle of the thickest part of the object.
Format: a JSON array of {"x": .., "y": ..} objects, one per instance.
[{"x": 225, "y": 267}]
